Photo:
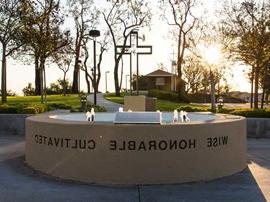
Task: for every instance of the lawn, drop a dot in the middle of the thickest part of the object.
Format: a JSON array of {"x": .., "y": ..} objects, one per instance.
[
  {"x": 72, "y": 100},
  {"x": 162, "y": 105}
]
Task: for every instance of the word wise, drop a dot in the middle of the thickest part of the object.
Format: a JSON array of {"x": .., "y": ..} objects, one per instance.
[{"x": 217, "y": 141}]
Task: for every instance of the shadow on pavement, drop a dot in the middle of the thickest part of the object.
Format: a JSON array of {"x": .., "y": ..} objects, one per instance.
[{"x": 34, "y": 186}]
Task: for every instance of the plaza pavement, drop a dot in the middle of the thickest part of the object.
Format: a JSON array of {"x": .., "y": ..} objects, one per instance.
[{"x": 18, "y": 182}]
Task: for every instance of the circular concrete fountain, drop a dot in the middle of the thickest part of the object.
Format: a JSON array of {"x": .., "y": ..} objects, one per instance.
[{"x": 68, "y": 147}]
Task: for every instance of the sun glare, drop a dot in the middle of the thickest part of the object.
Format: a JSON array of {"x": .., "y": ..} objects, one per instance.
[{"x": 211, "y": 54}]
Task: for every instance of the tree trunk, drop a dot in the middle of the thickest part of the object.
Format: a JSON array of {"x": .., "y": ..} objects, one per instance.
[
  {"x": 45, "y": 84},
  {"x": 121, "y": 77},
  {"x": 37, "y": 76},
  {"x": 87, "y": 81},
  {"x": 4, "y": 76},
  {"x": 65, "y": 84},
  {"x": 99, "y": 67},
  {"x": 205, "y": 94},
  {"x": 252, "y": 87},
  {"x": 262, "y": 100},
  {"x": 264, "y": 85},
  {"x": 181, "y": 48},
  {"x": 256, "y": 87},
  {"x": 41, "y": 68},
  {"x": 75, "y": 84},
  {"x": 116, "y": 82},
  {"x": 267, "y": 97},
  {"x": 213, "y": 99}
]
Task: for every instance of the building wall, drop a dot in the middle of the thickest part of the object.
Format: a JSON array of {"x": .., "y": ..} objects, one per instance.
[{"x": 152, "y": 83}]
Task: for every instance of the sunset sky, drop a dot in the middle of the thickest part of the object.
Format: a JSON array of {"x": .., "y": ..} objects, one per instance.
[{"x": 20, "y": 74}]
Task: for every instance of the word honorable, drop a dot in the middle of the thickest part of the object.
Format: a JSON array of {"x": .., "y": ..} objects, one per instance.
[{"x": 153, "y": 145}]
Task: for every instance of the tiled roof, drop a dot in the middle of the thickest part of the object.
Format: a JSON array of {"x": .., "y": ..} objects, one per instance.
[{"x": 159, "y": 72}]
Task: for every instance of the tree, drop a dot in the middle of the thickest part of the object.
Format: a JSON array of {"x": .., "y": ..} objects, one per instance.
[
  {"x": 103, "y": 45},
  {"x": 10, "y": 35},
  {"x": 85, "y": 16},
  {"x": 28, "y": 90},
  {"x": 193, "y": 73},
  {"x": 122, "y": 18},
  {"x": 59, "y": 87},
  {"x": 43, "y": 35},
  {"x": 265, "y": 84},
  {"x": 64, "y": 62},
  {"x": 244, "y": 28},
  {"x": 183, "y": 20}
]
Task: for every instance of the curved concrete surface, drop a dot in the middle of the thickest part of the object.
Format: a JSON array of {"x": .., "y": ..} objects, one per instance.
[{"x": 105, "y": 153}]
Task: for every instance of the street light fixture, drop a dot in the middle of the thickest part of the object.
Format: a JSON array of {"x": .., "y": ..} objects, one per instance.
[
  {"x": 95, "y": 34},
  {"x": 106, "y": 79}
]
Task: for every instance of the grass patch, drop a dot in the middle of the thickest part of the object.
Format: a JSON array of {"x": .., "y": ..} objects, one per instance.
[
  {"x": 32, "y": 105},
  {"x": 72, "y": 100}
]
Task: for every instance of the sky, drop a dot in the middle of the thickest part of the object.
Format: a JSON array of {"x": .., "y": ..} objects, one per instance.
[{"x": 19, "y": 74}]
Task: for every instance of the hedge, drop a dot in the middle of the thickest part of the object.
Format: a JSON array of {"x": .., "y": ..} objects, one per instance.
[
  {"x": 167, "y": 95},
  {"x": 23, "y": 109},
  {"x": 53, "y": 106},
  {"x": 192, "y": 109},
  {"x": 97, "y": 108},
  {"x": 252, "y": 113}
]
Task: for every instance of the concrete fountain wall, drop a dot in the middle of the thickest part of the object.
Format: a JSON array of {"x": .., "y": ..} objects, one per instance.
[{"x": 105, "y": 153}]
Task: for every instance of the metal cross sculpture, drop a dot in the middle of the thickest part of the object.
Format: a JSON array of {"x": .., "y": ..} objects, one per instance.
[{"x": 134, "y": 49}]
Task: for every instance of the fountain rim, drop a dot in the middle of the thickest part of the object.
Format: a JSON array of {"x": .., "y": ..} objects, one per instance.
[{"x": 220, "y": 118}]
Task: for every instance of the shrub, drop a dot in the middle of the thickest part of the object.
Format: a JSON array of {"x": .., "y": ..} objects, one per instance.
[
  {"x": 7, "y": 109},
  {"x": 192, "y": 109},
  {"x": 225, "y": 110},
  {"x": 254, "y": 113},
  {"x": 29, "y": 90},
  {"x": 204, "y": 98},
  {"x": 58, "y": 87},
  {"x": 29, "y": 110},
  {"x": 97, "y": 108},
  {"x": 167, "y": 95},
  {"x": 199, "y": 98},
  {"x": 23, "y": 109},
  {"x": 53, "y": 106}
]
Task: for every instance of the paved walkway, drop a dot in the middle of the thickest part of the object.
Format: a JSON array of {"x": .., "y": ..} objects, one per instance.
[
  {"x": 18, "y": 182},
  {"x": 101, "y": 101}
]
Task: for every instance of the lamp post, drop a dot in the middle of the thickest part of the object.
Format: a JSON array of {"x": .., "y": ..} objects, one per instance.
[
  {"x": 127, "y": 82},
  {"x": 95, "y": 34},
  {"x": 106, "y": 80}
]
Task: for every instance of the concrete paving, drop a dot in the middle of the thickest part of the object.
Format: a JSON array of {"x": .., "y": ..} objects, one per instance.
[
  {"x": 110, "y": 106},
  {"x": 18, "y": 182}
]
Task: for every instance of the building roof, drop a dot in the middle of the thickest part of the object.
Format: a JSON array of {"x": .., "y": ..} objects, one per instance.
[{"x": 159, "y": 73}]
